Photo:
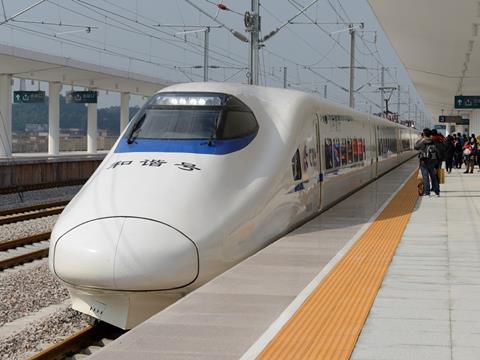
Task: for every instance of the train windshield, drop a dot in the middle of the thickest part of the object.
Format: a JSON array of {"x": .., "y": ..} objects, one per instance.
[
  {"x": 192, "y": 116},
  {"x": 177, "y": 124}
]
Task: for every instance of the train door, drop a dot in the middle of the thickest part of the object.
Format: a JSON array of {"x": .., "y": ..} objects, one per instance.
[
  {"x": 319, "y": 162},
  {"x": 376, "y": 146}
]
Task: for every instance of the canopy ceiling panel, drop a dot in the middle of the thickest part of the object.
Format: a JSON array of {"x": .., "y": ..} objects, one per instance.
[{"x": 438, "y": 42}]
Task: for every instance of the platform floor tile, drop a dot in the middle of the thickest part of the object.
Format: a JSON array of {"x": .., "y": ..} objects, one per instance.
[{"x": 429, "y": 304}]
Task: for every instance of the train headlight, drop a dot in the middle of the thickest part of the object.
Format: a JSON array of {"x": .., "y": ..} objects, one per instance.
[{"x": 191, "y": 100}]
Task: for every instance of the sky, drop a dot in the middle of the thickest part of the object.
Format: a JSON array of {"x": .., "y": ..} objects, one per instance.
[{"x": 144, "y": 36}]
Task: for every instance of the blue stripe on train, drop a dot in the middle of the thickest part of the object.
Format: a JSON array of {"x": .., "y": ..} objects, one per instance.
[{"x": 218, "y": 147}]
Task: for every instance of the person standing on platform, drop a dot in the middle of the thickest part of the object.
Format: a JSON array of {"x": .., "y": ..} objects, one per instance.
[
  {"x": 458, "y": 152},
  {"x": 469, "y": 150},
  {"x": 449, "y": 153},
  {"x": 439, "y": 141},
  {"x": 428, "y": 161}
]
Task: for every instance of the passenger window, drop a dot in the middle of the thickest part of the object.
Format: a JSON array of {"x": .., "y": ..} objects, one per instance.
[
  {"x": 360, "y": 151},
  {"x": 296, "y": 166},
  {"x": 343, "y": 150},
  {"x": 336, "y": 153},
  {"x": 328, "y": 154},
  {"x": 350, "y": 151},
  {"x": 355, "y": 150},
  {"x": 238, "y": 124}
]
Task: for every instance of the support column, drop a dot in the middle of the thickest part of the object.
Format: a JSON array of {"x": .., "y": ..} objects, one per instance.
[
  {"x": 5, "y": 115},
  {"x": 124, "y": 110},
  {"x": 92, "y": 129},
  {"x": 474, "y": 127},
  {"x": 54, "y": 89}
]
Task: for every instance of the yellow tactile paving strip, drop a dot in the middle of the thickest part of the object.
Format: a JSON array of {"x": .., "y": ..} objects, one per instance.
[{"x": 328, "y": 324}]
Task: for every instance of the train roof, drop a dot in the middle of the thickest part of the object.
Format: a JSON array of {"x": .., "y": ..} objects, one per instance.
[{"x": 245, "y": 90}]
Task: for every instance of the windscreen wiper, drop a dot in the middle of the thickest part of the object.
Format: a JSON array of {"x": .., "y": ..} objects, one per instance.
[
  {"x": 211, "y": 139},
  {"x": 213, "y": 134},
  {"x": 135, "y": 130}
]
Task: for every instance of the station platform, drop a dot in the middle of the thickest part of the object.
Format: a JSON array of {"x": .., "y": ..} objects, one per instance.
[
  {"x": 22, "y": 172},
  {"x": 381, "y": 275},
  {"x": 23, "y": 158}
]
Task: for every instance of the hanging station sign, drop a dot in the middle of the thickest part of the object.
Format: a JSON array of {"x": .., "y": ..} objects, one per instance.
[
  {"x": 82, "y": 97},
  {"x": 28, "y": 97},
  {"x": 467, "y": 102},
  {"x": 449, "y": 119}
]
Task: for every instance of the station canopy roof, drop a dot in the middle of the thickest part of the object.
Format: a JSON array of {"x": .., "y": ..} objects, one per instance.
[
  {"x": 22, "y": 63},
  {"x": 438, "y": 42}
]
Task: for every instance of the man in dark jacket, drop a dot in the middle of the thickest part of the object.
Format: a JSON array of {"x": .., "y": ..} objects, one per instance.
[
  {"x": 428, "y": 156},
  {"x": 439, "y": 141}
]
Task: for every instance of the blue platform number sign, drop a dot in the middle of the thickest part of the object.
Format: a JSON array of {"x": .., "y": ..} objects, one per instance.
[
  {"x": 28, "y": 97},
  {"x": 82, "y": 97}
]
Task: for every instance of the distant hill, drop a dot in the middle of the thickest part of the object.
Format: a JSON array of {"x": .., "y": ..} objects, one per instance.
[{"x": 71, "y": 116}]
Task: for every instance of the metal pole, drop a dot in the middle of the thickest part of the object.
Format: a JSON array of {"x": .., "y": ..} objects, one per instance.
[
  {"x": 398, "y": 101},
  {"x": 382, "y": 91},
  {"x": 352, "y": 67},
  {"x": 284, "y": 77},
  {"x": 254, "y": 43},
  {"x": 416, "y": 108},
  {"x": 205, "y": 55},
  {"x": 409, "y": 101},
  {"x": 325, "y": 91}
]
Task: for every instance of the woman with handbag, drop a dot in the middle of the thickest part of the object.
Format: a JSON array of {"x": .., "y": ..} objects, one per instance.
[{"x": 469, "y": 149}]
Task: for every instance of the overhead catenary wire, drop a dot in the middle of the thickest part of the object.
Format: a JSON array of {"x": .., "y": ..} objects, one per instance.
[
  {"x": 234, "y": 32},
  {"x": 4, "y": 12},
  {"x": 223, "y": 7},
  {"x": 323, "y": 56},
  {"x": 297, "y": 5},
  {"x": 137, "y": 24},
  {"x": 7, "y": 19},
  {"x": 107, "y": 51},
  {"x": 125, "y": 28},
  {"x": 166, "y": 40},
  {"x": 326, "y": 57},
  {"x": 86, "y": 46},
  {"x": 173, "y": 35},
  {"x": 277, "y": 30},
  {"x": 52, "y": 23}
]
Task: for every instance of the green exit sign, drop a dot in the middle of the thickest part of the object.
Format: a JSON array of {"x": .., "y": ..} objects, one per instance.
[
  {"x": 467, "y": 102},
  {"x": 82, "y": 97},
  {"x": 28, "y": 97}
]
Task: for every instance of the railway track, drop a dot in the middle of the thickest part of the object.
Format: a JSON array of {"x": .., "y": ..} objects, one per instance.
[
  {"x": 86, "y": 341},
  {"x": 31, "y": 212},
  {"x": 20, "y": 251}
]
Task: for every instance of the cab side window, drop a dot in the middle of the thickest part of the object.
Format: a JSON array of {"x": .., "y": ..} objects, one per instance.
[
  {"x": 238, "y": 124},
  {"x": 296, "y": 166}
]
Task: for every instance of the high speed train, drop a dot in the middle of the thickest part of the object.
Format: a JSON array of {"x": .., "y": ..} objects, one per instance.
[{"x": 205, "y": 175}]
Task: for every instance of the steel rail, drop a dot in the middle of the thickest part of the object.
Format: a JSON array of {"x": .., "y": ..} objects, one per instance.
[
  {"x": 74, "y": 344},
  {"x": 22, "y": 259},
  {"x": 31, "y": 212},
  {"x": 32, "y": 208},
  {"x": 12, "y": 244}
]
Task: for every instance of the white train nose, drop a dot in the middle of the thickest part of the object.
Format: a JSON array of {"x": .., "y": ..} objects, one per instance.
[{"x": 123, "y": 253}]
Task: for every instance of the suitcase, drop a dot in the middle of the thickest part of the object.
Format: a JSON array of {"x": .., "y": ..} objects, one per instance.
[
  {"x": 441, "y": 176},
  {"x": 420, "y": 183}
]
